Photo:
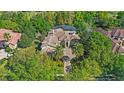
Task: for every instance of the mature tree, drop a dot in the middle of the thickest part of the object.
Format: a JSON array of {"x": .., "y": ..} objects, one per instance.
[
  {"x": 64, "y": 18},
  {"x": 88, "y": 70},
  {"x": 8, "y": 24},
  {"x": 50, "y": 17},
  {"x": 3, "y": 70},
  {"x": 99, "y": 48},
  {"x": 28, "y": 65},
  {"x": 79, "y": 21},
  {"x": 118, "y": 67},
  {"x": 25, "y": 41},
  {"x": 28, "y": 36},
  {"x": 41, "y": 24},
  {"x": 120, "y": 18},
  {"x": 84, "y": 21},
  {"x": 78, "y": 50},
  {"x": 106, "y": 20}
]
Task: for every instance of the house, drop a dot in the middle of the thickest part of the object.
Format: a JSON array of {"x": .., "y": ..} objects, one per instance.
[
  {"x": 10, "y": 40},
  {"x": 57, "y": 35},
  {"x": 61, "y": 33},
  {"x": 117, "y": 37},
  {"x": 13, "y": 39}
]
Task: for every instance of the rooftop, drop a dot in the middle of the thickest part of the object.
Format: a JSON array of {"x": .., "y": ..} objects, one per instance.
[
  {"x": 14, "y": 36},
  {"x": 118, "y": 33}
]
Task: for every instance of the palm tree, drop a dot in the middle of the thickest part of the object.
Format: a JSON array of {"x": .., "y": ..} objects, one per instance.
[
  {"x": 58, "y": 53},
  {"x": 7, "y": 36}
]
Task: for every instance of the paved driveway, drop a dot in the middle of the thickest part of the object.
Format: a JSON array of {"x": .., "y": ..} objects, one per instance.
[{"x": 3, "y": 54}]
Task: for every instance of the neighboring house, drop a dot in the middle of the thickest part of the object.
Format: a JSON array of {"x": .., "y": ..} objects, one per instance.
[
  {"x": 117, "y": 37},
  {"x": 12, "y": 41}
]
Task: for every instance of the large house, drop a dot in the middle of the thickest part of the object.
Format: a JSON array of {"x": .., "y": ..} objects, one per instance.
[
  {"x": 117, "y": 37},
  {"x": 14, "y": 37},
  {"x": 57, "y": 35},
  {"x": 61, "y": 33}
]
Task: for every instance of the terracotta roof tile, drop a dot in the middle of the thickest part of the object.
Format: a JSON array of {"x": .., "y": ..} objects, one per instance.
[{"x": 14, "y": 36}]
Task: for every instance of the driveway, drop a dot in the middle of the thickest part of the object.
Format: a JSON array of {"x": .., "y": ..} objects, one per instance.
[{"x": 3, "y": 54}]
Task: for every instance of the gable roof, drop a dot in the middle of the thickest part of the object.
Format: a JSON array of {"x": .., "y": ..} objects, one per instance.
[
  {"x": 50, "y": 40},
  {"x": 65, "y": 27},
  {"x": 14, "y": 36}
]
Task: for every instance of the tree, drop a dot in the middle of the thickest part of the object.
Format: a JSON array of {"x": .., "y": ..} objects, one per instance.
[
  {"x": 40, "y": 24},
  {"x": 8, "y": 24},
  {"x": 84, "y": 21},
  {"x": 78, "y": 50},
  {"x": 3, "y": 70},
  {"x": 106, "y": 20},
  {"x": 99, "y": 48},
  {"x": 27, "y": 37},
  {"x": 25, "y": 64},
  {"x": 120, "y": 18},
  {"x": 64, "y": 18},
  {"x": 6, "y": 15},
  {"x": 50, "y": 17},
  {"x": 58, "y": 53},
  {"x": 25, "y": 41},
  {"x": 88, "y": 70},
  {"x": 79, "y": 21},
  {"x": 118, "y": 67},
  {"x": 7, "y": 36}
]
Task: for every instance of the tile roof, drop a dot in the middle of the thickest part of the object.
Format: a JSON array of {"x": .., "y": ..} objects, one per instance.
[
  {"x": 72, "y": 37},
  {"x": 50, "y": 40},
  {"x": 54, "y": 38},
  {"x": 14, "y": 36}
]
